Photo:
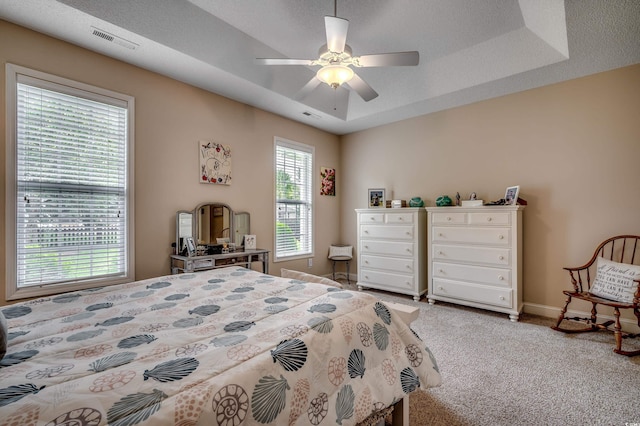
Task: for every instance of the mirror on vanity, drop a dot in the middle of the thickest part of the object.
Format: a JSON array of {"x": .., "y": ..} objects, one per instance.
[{"x": 211, "y": 223}]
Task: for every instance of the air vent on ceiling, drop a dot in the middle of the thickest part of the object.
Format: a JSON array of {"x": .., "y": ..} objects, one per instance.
[
  {"x": 113, "y": 38},
  {"x": 310, "y": 114}
]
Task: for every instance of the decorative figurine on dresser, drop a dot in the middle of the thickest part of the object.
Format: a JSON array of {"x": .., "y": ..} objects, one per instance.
[
  {"x": 475, "y": 257},
  {"x": 392, "y": 250}
]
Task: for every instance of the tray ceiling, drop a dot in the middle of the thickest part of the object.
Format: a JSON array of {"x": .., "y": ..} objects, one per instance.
[{"x": 470, "y": 50}]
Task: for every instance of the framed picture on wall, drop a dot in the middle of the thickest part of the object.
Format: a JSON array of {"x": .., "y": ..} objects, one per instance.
[
  {"x": 376, "y": 198},
  {"x": 511, "y": 195}
]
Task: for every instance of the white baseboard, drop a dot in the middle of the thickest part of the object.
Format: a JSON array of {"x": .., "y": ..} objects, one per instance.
[{"x": 628, "y": 325}]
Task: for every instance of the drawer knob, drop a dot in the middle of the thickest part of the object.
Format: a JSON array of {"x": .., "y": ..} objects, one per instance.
[
  {"x": 366, "y": 247},
  {"x": 440, "y": 234},
  {"x": 366, "y": 261},
  {"x": 501, "y": 237},
  {"x": 441, "y": 271},
  {"x": 401, "y": 218},
  {"x": 448, "y": 218},
  {"x": 489, "y": 219},
  {"x": 501, "y": 257},
  {"x": 366, "y": 231},
  {"x": 502, "y": 298},
  {"x": 440, "y": 253},
  {"x": 408, "y": 233},
  {"x": 500, "y": 277}
]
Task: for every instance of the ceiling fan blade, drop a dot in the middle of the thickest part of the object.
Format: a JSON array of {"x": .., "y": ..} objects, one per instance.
[
  {"x": 308, "y": 88},
  {"x": 362, "y": 88},
  {"x": 283, "y": 61},
  {"x": 336, "y": 29},
  {"x": 388, "y": 59}
]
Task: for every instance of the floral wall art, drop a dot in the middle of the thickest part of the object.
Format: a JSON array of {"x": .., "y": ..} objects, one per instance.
[
  {"x": 215, "y": 162},
  {"x": 327, "y": 181}
]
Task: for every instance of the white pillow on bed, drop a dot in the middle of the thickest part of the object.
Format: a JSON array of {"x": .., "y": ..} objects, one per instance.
[
  {"x": 615, "y": 281},
  {"x": 3, "y": 335},
  {"x": 301, "y": 276}
]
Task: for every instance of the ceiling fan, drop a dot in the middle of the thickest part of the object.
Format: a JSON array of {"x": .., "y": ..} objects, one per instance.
[{"x": 336, "y": 60}]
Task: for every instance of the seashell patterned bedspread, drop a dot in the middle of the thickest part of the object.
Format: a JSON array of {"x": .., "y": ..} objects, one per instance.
[{"x": 229, "y": 346}]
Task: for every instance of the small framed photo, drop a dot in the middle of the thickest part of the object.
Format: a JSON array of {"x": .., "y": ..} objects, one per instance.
[
  {"x": 191, "y": 247},
  {"x": 376, "y": 198},
  {"x": 249, "y": 242},
  {"x": 511, "y": 195}
]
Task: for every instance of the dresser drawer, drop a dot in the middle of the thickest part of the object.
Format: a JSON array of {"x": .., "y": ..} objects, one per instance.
[
  {"x": 386, "y": 280},
  {"x": 398, "y": 232},
  {"x": 388, "y": 248},
  {"x": 449, "y": 218},
  {"x": 479, "y": 274},
  {"x": 372, "y": 218},
  {"x": 397, "y": 264},
  {"x": 473, "y": 293},
  {"x": 471, "y": 254},
  {"x": 489, "y": 218},
  {"x": 398, "y": 217},
  {"x": 494, "y": 236}
]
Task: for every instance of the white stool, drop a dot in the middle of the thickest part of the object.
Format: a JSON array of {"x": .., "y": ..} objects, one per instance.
[{"x": 340, "y": 253}]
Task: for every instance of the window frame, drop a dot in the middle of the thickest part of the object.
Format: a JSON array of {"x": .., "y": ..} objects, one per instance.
[
  {"x": 15, "y": 73},
  {"x": 309, "y": 149}
]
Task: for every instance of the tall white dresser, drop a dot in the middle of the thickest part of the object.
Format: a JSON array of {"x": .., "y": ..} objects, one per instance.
[
  {"x": 475, "y": 257},
  {"x": 392, "y": 250}
]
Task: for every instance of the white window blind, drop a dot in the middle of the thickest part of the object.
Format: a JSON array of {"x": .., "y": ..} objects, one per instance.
[
  {"x": 71, "y": 205},
  {"x": 294, "y": 196}
]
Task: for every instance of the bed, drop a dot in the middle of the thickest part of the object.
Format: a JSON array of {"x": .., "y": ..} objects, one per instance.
[{"x": 228, "y": 346}]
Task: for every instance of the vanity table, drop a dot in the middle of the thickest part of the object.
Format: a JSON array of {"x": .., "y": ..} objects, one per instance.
[
  {"x": 212, "y": 225},
  {"x": 180, "y": 264}
]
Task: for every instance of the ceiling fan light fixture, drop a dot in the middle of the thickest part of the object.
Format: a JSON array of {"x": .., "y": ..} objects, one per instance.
[{"x": 335, "y": 75}]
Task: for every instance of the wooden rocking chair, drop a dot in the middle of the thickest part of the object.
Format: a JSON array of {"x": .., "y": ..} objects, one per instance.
[{"x": 621, "y": 249}]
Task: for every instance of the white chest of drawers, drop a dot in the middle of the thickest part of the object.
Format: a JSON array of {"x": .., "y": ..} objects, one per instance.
[
  {"x": 392, "y": 250},
  {"x": 475, "y": 257}
]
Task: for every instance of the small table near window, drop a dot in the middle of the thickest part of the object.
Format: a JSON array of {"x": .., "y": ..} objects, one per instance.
[{"x": 181, "y": 264}]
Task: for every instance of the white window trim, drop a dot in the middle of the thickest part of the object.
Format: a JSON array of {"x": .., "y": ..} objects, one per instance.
[
  {"x": 12, "y": 290},
  {"x": 311, "y": 149}
]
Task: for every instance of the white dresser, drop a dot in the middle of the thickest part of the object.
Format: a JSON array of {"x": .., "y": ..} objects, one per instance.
[
  {"x": 475, "y": 257},
  {"x": 392, "y": 250}
]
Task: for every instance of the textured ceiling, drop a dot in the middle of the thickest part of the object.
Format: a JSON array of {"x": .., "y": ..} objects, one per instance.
[{"x": 470, "y": 50}]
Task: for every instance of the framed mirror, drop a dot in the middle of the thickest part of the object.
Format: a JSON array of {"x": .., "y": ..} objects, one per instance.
[
  {"x": 213, "y": 223},
  {"x": 242, "y": 226},
  {"x": 209, "y": 224},
  {"x": 184, "y": 229}
]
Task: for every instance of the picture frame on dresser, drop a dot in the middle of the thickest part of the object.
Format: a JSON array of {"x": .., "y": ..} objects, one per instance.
[
  {"x": 511, "y": 195},
  {"x": 376, "y": 198},
  {"x": 191, "y": 247}
]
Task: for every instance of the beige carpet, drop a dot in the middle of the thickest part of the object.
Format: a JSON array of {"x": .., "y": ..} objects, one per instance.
[{"x": 496, "y": 372}]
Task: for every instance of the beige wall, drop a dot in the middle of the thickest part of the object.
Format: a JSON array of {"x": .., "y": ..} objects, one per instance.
[
  {"x": 170, "y": 118},
  {"x": 573, "y": 147}
]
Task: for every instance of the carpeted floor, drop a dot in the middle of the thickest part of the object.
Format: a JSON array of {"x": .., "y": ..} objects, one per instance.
[{"x": 497, "y": 372}]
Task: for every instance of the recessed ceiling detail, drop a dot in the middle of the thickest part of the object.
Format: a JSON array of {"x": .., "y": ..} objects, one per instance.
[{"x": 469, "y": 50}]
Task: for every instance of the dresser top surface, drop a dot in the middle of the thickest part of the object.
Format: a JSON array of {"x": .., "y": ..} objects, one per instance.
[{"x": 475, "y": 209}]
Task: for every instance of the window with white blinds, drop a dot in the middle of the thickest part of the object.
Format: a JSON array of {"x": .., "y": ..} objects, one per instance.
[
  {"x": 70, "y": 201},
  {"x": 294, "y": 200}
]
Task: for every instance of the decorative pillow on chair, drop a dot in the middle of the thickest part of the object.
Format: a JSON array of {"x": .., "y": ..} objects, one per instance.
[
  {"x": 301, "y": 276},
  {"x": 615, "y": 281},
  {"x": 3, "y": 335}
]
